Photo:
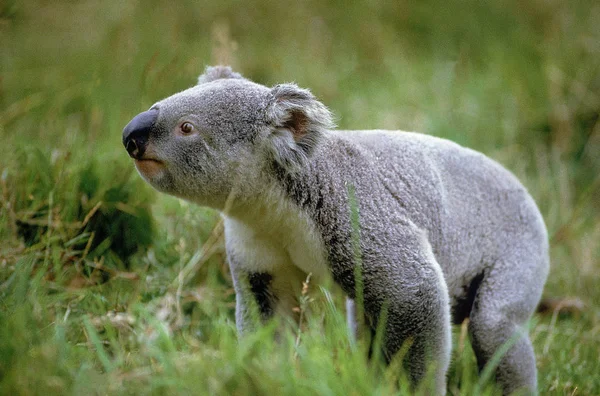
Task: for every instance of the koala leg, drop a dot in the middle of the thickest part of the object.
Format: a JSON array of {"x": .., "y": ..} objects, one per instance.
[
  {"x": 254, "y": 299},
  {"x": 351, "y": 320},
  {"x": 416, "y": 312},
  {"x": 502, "y": 306},
  {"x": 260, "y": 295}
]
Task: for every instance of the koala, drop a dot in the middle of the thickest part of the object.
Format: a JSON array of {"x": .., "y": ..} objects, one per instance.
[{"x": 424, "y": 232}]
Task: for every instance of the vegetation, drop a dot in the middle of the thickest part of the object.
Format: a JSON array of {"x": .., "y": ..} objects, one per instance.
[{"x": 107, "y": 287}]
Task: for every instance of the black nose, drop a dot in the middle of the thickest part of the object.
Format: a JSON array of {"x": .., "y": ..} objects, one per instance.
[{"x": 135, "y": 134}]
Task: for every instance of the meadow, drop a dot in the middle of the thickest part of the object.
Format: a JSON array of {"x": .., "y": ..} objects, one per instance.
[{"x": 107, "y": 287}]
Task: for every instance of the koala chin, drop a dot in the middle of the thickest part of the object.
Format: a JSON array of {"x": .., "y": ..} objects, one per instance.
[{"x": 444, "y": 232}]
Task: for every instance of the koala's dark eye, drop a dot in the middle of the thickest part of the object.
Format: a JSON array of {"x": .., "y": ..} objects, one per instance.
[{"x": 187, "y": 127}]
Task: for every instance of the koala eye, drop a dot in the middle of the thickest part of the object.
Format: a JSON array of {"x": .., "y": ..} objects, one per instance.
[{"x": 187, "y": 127}]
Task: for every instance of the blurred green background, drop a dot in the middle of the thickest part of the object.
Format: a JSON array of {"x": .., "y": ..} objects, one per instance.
[{"x": 109, "y": 287}]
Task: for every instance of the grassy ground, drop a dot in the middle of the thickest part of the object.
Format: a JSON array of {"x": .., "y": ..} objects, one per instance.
[{"x": 108, "y": 288}]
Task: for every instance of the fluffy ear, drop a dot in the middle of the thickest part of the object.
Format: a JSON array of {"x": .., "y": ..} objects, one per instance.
[
  {"x": 298, "y": 121},
  {"x": 212, "y": 73}
]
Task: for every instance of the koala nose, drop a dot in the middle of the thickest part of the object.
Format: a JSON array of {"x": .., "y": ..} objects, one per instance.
[{"x": 135, "y": 134}]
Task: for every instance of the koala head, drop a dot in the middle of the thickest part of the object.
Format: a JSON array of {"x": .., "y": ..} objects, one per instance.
[{"x": 223, "y": 133}]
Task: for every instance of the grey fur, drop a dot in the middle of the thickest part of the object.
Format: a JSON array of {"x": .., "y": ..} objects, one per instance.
[
  {"x": 295, "y": 110},
  {"x": 212, "y": 73},
  {"x": 442, "y": 228}
]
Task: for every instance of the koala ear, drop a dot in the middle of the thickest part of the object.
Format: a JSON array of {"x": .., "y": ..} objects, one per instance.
[
  {"x": 298, "y": 121},
  {"x": 212, "y": 73}
]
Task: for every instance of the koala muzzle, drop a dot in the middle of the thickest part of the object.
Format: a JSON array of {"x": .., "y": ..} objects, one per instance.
[{"x": 136, "y": 133}]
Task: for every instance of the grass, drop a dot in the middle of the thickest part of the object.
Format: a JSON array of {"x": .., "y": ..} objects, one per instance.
[{"x": 109, "y": 287}]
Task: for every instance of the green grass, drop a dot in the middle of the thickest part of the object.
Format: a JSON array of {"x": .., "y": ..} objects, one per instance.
[{"x": 107, "y": 287}]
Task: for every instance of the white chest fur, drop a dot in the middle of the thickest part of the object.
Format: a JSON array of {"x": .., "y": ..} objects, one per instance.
[{"x": 275, "y": 239}]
